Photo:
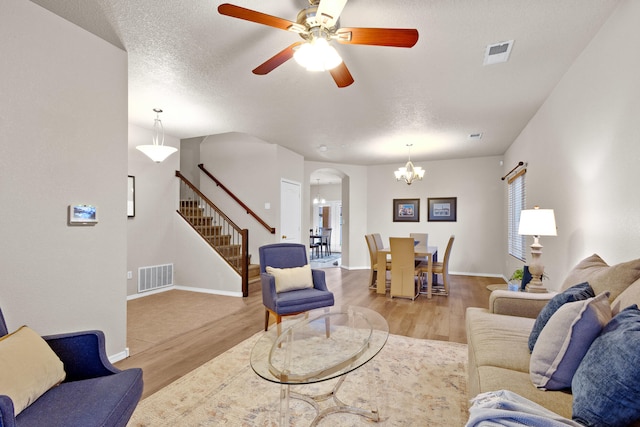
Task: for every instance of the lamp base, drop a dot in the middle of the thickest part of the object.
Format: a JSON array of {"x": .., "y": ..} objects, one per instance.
[{"x": 535, "y": 289}]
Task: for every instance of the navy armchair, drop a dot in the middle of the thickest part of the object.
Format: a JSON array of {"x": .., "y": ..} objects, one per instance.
[
  {"x": 94, "y": 392},
  {"x": 289, "y": 255}
]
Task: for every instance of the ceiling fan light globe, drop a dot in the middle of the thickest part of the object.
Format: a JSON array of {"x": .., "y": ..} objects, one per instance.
[{"x": 317, "y": 55}]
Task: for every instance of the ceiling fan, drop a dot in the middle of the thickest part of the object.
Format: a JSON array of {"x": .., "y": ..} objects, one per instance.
[{"x": 318, "y": 25}]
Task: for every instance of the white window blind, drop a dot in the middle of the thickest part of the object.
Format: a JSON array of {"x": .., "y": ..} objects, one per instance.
[{"x": 516, "y": 205}]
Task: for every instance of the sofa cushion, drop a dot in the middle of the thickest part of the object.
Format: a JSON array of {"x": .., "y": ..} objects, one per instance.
[
  {"x": 493, "y": 378},
  {"x": 577, "y": 292},
  {"x": 498, "y": 340},
  {"x": 28, "y": 367},
  {"x": 565, "y": 340},
  {"x": 602, "y": 277},
  {"x": 606, "y": 385},
  {"x": 290, "y": 279},
  {"x": 96, "y": 402},
  {"x": 628, "y": 297}
]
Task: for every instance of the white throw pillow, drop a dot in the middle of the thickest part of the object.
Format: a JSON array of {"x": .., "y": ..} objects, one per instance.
[
  {"x": 28, "y": 367},
  {"x": 565, "y": 339},
  {"x": 290, "y": 279}
]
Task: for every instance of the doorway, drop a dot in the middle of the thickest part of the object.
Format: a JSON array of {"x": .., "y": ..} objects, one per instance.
[{"x": 326, "y": 210}]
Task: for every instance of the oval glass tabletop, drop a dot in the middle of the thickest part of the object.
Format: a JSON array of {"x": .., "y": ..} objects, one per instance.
[{"x": 319, "y": 345}]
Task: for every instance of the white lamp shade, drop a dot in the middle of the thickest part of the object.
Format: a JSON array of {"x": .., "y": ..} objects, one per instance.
[
  {"x": 537, "y": 222},
  {"x": 157, "y": 153}
]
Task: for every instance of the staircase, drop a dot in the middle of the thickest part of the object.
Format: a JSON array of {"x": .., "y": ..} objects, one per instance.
[
  {"x": 194, "y": 214},
  {"x": 225, "y": 237}
]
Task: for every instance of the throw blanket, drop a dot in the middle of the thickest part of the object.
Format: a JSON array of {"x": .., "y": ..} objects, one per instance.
[{"x": 505, "y": 408}]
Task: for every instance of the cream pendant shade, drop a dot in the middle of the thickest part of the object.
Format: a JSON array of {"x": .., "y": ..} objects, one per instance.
[{"x": 157, "y": 151}]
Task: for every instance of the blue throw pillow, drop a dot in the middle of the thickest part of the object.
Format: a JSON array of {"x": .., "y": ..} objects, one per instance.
[
  {"x": 606, "y": 385},
  {"x": 578, "y": 292}
]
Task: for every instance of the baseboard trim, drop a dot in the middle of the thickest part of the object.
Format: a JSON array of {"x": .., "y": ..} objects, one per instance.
[
  {"x": 185, "y": 288},
  {"x": 466, "y": 273},
  {"x": 119, "y": 356},
  {"x": 147, "y": 293},
  {"x": 210, "y": 291}
]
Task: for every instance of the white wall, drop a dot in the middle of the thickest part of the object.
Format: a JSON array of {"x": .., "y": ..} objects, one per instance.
[
  {"x": 63, "y": 132},
  {"x": 198, "y": 265},
  {"x": 251, "y": 169},
  {"x": 583, "y": 150},
  {"x": 151, "y": 234},
  {"x": 190, "y": 158},
  {"x": 479, "y": 229}
]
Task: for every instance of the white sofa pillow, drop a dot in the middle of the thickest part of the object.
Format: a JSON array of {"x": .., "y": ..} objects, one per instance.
[
  {"x": 28, "y": 367},
  {"x": 289, "y": 279}
]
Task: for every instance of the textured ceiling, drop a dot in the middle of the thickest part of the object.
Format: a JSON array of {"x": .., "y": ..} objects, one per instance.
[{"x": 195, "y": 64}]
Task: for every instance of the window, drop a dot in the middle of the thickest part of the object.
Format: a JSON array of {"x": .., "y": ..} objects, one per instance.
[{"x": 516, "y": 205}]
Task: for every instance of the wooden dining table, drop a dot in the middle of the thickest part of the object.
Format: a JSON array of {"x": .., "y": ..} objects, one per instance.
[{"x": 430, "y": 252}]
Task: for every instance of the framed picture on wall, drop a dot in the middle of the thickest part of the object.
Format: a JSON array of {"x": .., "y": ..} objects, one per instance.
[
  {"x": 131, "y": 196},
  {"x": 406, "y": 210},
  {"x": 442, "y": 209}
]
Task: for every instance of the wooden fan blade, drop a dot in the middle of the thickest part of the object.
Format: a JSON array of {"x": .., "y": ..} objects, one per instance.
[
  {"x": 276, "y": 60},
  {"x": 394, "y": 37},
  {"x": 257, "y": 17},
  {"x": 341, "y": 75},
  {"x": 329, "y": 11}
]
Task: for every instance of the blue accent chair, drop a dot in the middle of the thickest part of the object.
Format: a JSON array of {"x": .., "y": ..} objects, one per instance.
[
  {"x": 94, "y": 392},
  {"x": 288, "y": 255}
]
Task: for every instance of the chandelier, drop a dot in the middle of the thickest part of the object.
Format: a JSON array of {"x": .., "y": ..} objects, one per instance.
[
  {"x": 157, "y": 151},
  {"x": 409, "y": 173}
]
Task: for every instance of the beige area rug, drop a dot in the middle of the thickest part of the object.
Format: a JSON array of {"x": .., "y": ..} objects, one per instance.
[{"x": 413, "y": 382}]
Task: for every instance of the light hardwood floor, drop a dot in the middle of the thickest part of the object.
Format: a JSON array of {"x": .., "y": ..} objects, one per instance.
[{"x": 174, "y": 332}]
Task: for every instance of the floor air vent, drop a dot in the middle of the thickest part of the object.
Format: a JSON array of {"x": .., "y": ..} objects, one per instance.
[{"x": 154, "y": 277}]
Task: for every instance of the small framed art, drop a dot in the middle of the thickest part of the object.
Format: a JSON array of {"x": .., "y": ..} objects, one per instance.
[
  {"x": 131, "y": 196},
  {"x": 442, "y": 209},
  {"x": 406, "y": 210},
  {"x": 82, "y": 215}
]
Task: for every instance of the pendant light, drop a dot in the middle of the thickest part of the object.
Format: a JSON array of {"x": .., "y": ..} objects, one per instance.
[
  {"x": 157, "y": 151},
  {"x": 318, "y": 199}
]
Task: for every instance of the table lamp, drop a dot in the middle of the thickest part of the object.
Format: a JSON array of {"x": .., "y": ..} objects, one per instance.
[{"x": 536, "y": 222}]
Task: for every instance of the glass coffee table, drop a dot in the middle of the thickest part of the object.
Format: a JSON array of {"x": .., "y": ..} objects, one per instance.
[{"x": 318, "y": 346}]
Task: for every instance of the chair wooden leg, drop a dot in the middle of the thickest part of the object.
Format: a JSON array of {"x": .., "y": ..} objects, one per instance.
[
  {"x": 266, "y": 319},
  {"x": 445, "y": 282}
]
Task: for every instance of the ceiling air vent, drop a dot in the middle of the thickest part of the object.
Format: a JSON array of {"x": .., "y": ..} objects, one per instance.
[{"x": 497, "y": 53}]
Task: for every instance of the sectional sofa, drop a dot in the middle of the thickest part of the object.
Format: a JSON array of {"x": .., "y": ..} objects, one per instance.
[{"x": 498, "y": 337}]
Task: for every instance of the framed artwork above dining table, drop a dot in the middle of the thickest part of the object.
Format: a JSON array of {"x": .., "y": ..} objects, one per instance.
[
  {"x": 406, "y": 210},
  {"x": 442, "y": 209}
]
